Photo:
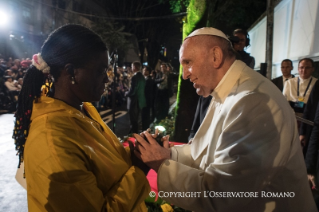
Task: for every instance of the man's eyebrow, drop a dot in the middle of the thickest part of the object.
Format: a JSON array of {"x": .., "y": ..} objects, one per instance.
[{"x": 185, "y": 60}]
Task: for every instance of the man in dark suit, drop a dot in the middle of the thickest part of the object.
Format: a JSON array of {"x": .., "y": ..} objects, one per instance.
[
  {"x": 286, "y": 68},
  {"x": 149, "y": 97},
  {"x": 309, "y": 137},
  {"x": 136, "y": 95},
  {"x": 162, "y": 96},
  {"x": 202, "y": 106},
  {"x": 309, "y": 114}
]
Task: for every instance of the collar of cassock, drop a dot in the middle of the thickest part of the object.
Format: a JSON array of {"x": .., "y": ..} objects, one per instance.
[
  {"x": 227, "y": 83},
  {"x": 304, "y": 80}
]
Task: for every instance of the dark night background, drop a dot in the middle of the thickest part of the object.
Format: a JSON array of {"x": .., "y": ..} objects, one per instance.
[{"x": 155, "y": 34}]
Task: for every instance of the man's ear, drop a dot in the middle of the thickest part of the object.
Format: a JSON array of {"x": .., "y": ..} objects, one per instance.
[{"x": 217, "y": 56}]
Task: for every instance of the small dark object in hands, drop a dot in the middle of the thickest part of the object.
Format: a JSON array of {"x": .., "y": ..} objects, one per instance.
[{"x": 158, "y": 135}]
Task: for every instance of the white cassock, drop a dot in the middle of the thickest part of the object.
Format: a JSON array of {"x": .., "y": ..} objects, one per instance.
[
  {"x": 291, "y": 87},
  {"x": 248, "y": 142}
]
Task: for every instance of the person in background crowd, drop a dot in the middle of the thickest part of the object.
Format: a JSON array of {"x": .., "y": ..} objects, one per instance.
[
  {"x": 162, "y": 96},
  {"x": 120, "y": 91},
  {"x": 126, "y": 81},
  {"x": 9, "y": 73},
  {"x": 20, "y": 74},
  {"x": 298, "y": 89},
  {"x": 120, "y": 70},
  {"x": 200, "y": 113},
  {"x": 153, "y": 109},
  {"x": 153, "y": 74},
  {"x": 110, "y": 73},
  {"x": 12, "y": 88},
  {"x": 244, "y": 41},
  {"x": 20, "y": 83},
  {"x": 9, "y": 62},
  {"x": 170, "y": 85},
  {"x": 129, "y": 74},
  {"x": 10, "y": 84},
  {"x": 286, "y": 68},
  {"x": 248, "y": 141},
  {"x": 25, "y": 64},
  {"x": 311, "y": 140},
  {"x": 46, "y": 87},
  {"x": 309, "y": 113},
  {"x": 149, "y": 97},
  {"x": 16, "y": 66},
  {"x": 73, "y": 161},
  {"x": 136, "y": 96}
]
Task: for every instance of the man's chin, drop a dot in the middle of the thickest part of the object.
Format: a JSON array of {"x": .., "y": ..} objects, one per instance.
[{"x": 202, "y": 93}]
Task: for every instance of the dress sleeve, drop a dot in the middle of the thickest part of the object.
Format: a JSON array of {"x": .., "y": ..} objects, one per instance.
[
  {"x": 129, "y": 193},
  {"x": 77, "y": 190},
  {"x": 67, "y": 180}
]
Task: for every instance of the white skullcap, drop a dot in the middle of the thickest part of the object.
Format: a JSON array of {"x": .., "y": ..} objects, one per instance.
[{"x": 208, "y": 31}]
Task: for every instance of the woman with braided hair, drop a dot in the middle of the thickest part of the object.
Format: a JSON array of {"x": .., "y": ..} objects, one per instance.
[{"x": 72, "y": 160}]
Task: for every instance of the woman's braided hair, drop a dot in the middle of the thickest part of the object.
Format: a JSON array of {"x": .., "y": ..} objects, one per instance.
[{"x": 74, "y": 44}]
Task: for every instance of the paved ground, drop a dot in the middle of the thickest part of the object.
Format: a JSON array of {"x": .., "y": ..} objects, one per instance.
[{"x": 13, "y": 198}]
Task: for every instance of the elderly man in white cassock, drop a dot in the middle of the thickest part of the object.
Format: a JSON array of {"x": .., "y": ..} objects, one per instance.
[{"x": 246, "y": 155}]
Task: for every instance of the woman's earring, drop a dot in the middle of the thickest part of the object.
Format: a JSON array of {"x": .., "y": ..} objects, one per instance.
[{"x": 73, "y": 81}]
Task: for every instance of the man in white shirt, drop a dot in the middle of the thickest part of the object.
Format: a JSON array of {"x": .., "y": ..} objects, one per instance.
[
  {"x": 246, "y": 147},
  {"x": 298, "y": 89},
  {"x": 286, "y": 68}
]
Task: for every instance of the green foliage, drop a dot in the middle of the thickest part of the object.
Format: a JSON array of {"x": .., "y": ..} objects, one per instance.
[
  {"x": 113, "y": 35},
  {"x": 168, "y": 124},
  {"x": 157, "y": 206},
  {"x": 195, "y": 12},
  {"x": 178, "y": 5}
]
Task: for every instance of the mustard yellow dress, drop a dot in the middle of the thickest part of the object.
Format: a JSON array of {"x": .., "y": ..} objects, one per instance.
[{"x": 75, "y": 163}]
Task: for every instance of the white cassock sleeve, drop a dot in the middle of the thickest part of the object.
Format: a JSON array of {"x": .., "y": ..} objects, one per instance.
[{"x": 253, "y": 147}]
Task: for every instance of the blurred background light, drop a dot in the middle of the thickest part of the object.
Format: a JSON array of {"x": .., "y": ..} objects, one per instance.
[{"x": 3, "y": 18}]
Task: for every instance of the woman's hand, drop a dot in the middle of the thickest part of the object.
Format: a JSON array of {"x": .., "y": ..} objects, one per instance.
[
  {"x": 150, "y": 152},
  {"x": 137, "y": 162}
]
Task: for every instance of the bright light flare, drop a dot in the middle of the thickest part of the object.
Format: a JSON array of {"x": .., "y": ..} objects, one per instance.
[
  {"x": 3, "y": 18},
  {"x": 160, "y": 128}
]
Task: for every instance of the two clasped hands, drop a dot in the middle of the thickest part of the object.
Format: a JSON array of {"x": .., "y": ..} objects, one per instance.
[{"x": 147, "y": 153}]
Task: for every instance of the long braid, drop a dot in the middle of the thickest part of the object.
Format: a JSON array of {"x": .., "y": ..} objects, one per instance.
[{"x": 31, "y": 91}]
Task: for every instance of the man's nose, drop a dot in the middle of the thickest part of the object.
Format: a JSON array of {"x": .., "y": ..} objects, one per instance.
[{"x": 185, "y": 74}]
